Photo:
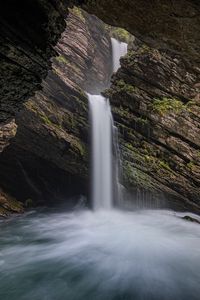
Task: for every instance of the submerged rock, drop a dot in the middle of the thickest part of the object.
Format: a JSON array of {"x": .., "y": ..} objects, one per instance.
[{"x": 191, "y": 219}]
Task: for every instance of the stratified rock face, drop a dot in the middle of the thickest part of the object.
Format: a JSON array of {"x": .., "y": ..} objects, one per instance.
[
  {"x": 7, "y": 131},
  {"x": 85, "y": 57},
  {"x": 156, "y": 105},
  {"x": 9, "y": 205},
  {"x": 48, "y": 158},
  {"x": 160, "y": 23},
  {"x": 29, "y": 29}
]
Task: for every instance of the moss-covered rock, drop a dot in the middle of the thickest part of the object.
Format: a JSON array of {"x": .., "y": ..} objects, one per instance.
[
  {"x": 155, "y": 104},
  {"x": 161, "y": 24},
  {"x": 49, "y": 155}
]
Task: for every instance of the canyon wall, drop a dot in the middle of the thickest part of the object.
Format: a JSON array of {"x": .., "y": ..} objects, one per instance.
[
  {"x": 47, "y": 160},
  {"x": 155, "y": 98}
]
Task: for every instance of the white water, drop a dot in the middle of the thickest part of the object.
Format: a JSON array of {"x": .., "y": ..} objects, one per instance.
[
  {"x": 101, "y": 119},
  {"x": 119, "y": 49},
  {"x": 103, "y": 255},
  {"x": 104, "y": 178}
]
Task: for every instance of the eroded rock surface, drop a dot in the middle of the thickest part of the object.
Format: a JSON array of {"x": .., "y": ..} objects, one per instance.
[
  {"x": 48, "y": 158},
  {"x": 29, "y": 30},
  {"x": 163, "y": 24},
  {"x": 156, "y": 105},
  {"x": 9, "y": 205}
]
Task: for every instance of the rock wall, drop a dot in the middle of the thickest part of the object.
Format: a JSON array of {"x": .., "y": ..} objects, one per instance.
[
  {"x": 162, "y": 24},
  {"x": 154, "y": 96},
  {"x": 29, "y": 30},
  {"x": 48, "y": 158},
  {"x": 156, "y": 104}
]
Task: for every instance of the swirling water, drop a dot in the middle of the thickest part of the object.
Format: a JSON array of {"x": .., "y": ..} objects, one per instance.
[{"x": 103, "y": 255}]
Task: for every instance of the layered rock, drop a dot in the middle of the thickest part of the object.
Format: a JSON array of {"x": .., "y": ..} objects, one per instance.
[
  {"x": 155, "y": 98},
  {"x": 9, "y": 205},
  {"x": 154, "y": 95},
  {"x": 48, "y": 158},
  {"x": 161, "y": 24},
  {"x": 29, "y": 30}
]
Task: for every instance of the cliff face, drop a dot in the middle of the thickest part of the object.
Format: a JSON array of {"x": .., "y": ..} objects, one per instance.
[
  {"x": 156, "y": 104},
  {"x": 155, "y": 96},
  {"x": 48, "y": 158},
  {"x": 163, "y": 24},
  {"x": 29, "y": 30}
]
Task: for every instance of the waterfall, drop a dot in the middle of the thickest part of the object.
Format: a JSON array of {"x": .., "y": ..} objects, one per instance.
[
  {"x": 101, "y": 119},
  {"x": 104, "y": 175},
  {"x": 118, "y": 49}
]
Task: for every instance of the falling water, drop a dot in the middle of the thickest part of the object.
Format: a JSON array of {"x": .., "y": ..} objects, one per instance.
[
  {"x": 104, "y": 177},
  {"x": 118, "y": 49},
  {"x": 101, "y": 119},
  {"x": 113, "y": 254}
]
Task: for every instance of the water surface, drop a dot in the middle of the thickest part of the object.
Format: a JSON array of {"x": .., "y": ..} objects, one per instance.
[{"x": 114, "y": 255}]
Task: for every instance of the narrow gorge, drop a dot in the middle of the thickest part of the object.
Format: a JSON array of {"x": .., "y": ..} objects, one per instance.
[{"x": 100, "y": 150}]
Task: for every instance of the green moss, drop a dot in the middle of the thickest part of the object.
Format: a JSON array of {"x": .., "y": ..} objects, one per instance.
[
  {"x": 78, "y": 12},
  {"x": 45, "y": 119},
  {"x": 129, "y": 146},
  {"x": 164, "y": 165},
  {"x": 62, "y": 59},
  {"x": 158, "y": 164},
  {"x": 166, "y": 105},
  {"x": 121, "y": 85},
  {"x": 55, "y": 71},
  {"x": 132, "y": 54},
  {"x": 142, "y": 120},
  {"x": 191, "y": 165},
  {"x": 145, "y": 48},
  {"x": 136, "y": 177},
  {"x": 121, "y": 35},
  {"x": 81, "y": 149}
]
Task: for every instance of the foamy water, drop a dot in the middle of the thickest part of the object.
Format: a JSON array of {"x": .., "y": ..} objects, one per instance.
[{"x": 111, "y": 255}]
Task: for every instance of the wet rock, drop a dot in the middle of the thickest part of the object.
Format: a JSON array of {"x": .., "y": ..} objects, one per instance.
[
  {"x": 29, "y": 30},
  {"x": 191, "y": 219},
  {"x": 48, "y": 158},
  {"x": 7, "y": 131},
  {"x": 170, "y": 25},
  {"x": 9, "y": 205},
  {"x": 155, "y": 99}
]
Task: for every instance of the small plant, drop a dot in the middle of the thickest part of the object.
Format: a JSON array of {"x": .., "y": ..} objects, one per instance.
[
  {"x": 191, "y": 165},
  {"x": 123, "y": 86},
  {"x": 166, "y": 105},
  {"x": 78, "y": 12},
  {"x": 164, "y": 165},
  {"x": 62, "y": 59},
  {"x": 142, "y": 120},
  {"x": 121, "y": 34}
]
